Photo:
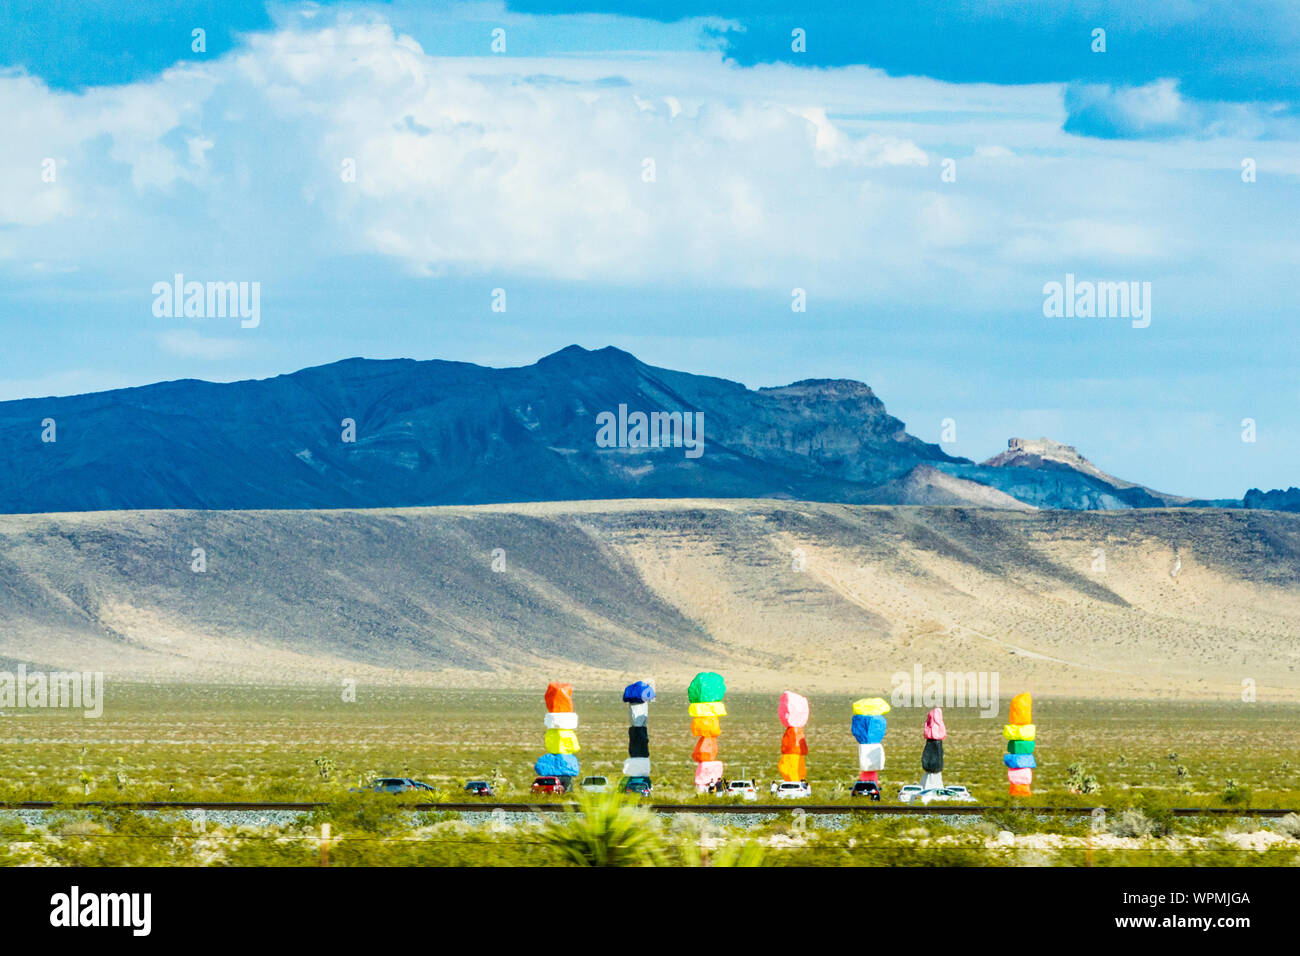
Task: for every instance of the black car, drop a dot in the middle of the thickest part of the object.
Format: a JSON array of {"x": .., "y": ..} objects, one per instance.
[
  {"x": 866, "y": 788},
  {"x": 480, "y": 788},
  {"x": 394, "y": 785}
]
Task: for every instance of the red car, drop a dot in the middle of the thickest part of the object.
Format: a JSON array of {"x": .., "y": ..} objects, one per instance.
[{"x": 547, "y": 785}]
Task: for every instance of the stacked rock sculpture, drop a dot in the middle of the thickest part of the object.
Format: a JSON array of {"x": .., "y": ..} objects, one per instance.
[
  {"x": 705, "y": 694},
  {"x": 792, "y": 710},
  {"x": 932, "y": 755},
  {"x": 560, "y": 759},
  {"x": 869, "y": 726},
  {"x": 1019, "y": 733},
  {"x": 637, "y": 696}
]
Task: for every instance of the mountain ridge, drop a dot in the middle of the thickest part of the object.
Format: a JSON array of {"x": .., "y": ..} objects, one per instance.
[
  {"x": 404, "y": 433},
  {"x": 401, "y": 432}
]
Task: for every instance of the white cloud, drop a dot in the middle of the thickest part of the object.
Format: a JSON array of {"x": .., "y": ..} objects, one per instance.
[
  {"x": 190, "y": 344},
  {"x": 765, "y": 177},
  {"x": 835, "y": 147}
]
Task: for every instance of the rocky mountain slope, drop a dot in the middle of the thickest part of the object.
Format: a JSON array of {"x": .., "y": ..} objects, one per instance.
[
  {"x": 1048, "y": 474},
  {"x": 926, "y": 485},
  {"x": 1275, "y": 500},
  {"x": 449, "y": 433}
]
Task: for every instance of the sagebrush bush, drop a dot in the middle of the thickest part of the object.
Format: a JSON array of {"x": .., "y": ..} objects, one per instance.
[{"x": 1131, "y": 822}]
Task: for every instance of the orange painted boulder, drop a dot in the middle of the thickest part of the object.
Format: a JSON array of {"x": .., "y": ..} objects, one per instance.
[
  {"x": 793, "y": 741},
  {"x": 706, "y": 748},
  {"x": 706, "y": 727},
  {"x": 559, "y": 698},
  {"x": 1021, "y": 709}
]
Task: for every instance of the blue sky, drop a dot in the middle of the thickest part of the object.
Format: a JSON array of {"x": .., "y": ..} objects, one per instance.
[{"x": 773, "y": 170}]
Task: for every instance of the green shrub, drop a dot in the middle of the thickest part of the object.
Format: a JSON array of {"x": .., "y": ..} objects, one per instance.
[
  {"x": 1235, "y": 793},
  {"x": 1079, "y": 780},
  {"x": 369, "y": 813},
  {"x": 605, "y": 829}
]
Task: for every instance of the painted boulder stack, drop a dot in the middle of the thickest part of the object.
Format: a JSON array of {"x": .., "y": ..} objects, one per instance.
[
  {"x": 792, "y": 710},
  {"x": 1019, "y": 733},
  {"x": 637, "y": 696},
  {"x": 561, "y": 722},
  {"x": 705, "y": 694},
  {"x": 868, "y": 726},
  {"x": 932, "y": 754}
]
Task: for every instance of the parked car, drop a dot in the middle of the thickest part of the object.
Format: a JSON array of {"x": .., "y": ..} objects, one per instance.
[
  {"x": 480, "y": 788},
  {"x": 742, "y": 788},
  {"x": 866, "y": 788},
  {"x": 912, "y": 793},
  {"x": 547, "y": 785},
  {"x": 394, "y": 785},
  {"x": 960, "y": 794},
  {"x": 595, "y": 784},
  {"x": 793, "y": 790},
  {"x": 638, "y": 785}
]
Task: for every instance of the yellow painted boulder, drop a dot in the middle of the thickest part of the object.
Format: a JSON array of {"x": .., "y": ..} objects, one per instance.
[
  {"x": 1018, "y": 731},
  {"x": 562, "y": 742},
  {"x": 792, "y": 767},
  {"x": 871, "y": 706},
  {"x": 711, "y": 709}
]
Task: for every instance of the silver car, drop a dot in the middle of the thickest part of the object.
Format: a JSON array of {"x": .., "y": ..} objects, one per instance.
[
  {"x": 912, "y": 792},
  {"x": 793, "y": 790}
]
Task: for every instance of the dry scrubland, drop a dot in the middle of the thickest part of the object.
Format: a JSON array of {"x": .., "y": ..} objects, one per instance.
[
  {"x": 366, "y": 834},
  {"x": 227, "y": 685},
  {"x": 212, "y": 742},
  {"x": 226, "y": 743},
  {"x": 602, "y": 592}
]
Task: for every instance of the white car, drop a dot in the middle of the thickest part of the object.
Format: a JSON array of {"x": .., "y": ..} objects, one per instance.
[
  {"x": 912, "y": 792},
  {"x": 792, "y": 790},
  {"x": 595, "y": 784},
  {"x": 742, "y": 788}
]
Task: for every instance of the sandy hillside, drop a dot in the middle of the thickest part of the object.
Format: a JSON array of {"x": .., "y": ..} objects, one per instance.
[{"x": 1182, "y": 603}]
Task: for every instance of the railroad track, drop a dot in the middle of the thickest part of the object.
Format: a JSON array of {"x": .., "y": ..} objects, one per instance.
[{"x": 487, "y": 806}]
